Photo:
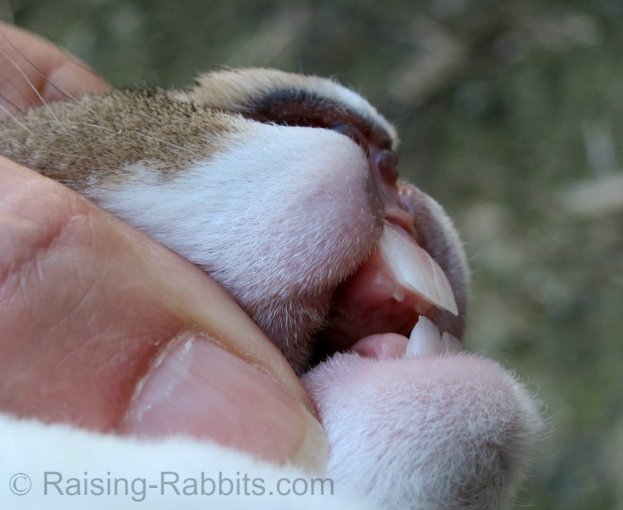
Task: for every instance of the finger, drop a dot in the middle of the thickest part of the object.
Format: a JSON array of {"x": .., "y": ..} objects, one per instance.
[
  {"x": 102, "y": 327},
  {"x": 34, "y": 71}
]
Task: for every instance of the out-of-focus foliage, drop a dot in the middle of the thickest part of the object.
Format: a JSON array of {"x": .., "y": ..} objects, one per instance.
[{"x": 511, "y": 114}]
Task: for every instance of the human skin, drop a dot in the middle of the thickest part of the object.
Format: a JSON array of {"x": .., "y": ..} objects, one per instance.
[
  {"x": 113, "y": 332},
  {"x": 102, "y": 327}
]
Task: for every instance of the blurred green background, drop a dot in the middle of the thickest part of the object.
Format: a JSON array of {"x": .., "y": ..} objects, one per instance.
[{"x": 511, "y": 114}]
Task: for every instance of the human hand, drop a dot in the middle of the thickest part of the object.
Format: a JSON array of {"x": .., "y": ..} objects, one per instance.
[{"x": 102, "y": 327}]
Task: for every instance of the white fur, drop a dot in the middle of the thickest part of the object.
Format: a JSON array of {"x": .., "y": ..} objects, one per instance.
[
  {"x": 433, "y": 433},
  {"x": 231, "y": 88},
  {"x": 354, "y": 101},
  {"x": 33, "y": 448},
  {"x": 251, "y": 207},
  {"x": 425, "y": 434},
  {"x": 440, "y": 433},
  {"x": 278, "y": 217}
]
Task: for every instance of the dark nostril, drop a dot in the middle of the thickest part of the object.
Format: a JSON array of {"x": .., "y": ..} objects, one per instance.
[
  {"x": 353, "y": 133},
  {"x": 386, "y": 163}
]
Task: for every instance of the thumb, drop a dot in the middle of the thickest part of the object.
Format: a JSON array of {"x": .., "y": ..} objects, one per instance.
[{"x": 102, "y": 327}]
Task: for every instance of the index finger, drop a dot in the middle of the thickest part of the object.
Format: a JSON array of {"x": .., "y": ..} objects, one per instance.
[{"x": 34, "y": 71}]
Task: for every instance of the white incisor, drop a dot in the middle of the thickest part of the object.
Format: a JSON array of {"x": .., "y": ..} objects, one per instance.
[
  {"x": 425, "y": 339},
  {"x": 280, "y": 211}
]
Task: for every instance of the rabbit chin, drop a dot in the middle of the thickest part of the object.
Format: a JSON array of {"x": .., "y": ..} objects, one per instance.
[{"x": 430, "y": 432}]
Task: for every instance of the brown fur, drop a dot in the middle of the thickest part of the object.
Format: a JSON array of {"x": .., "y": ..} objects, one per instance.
[
  {"x": 96, "y": 137},
  {"x": 92, "y": 143},
  {"x": 238, "y": 90}
]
